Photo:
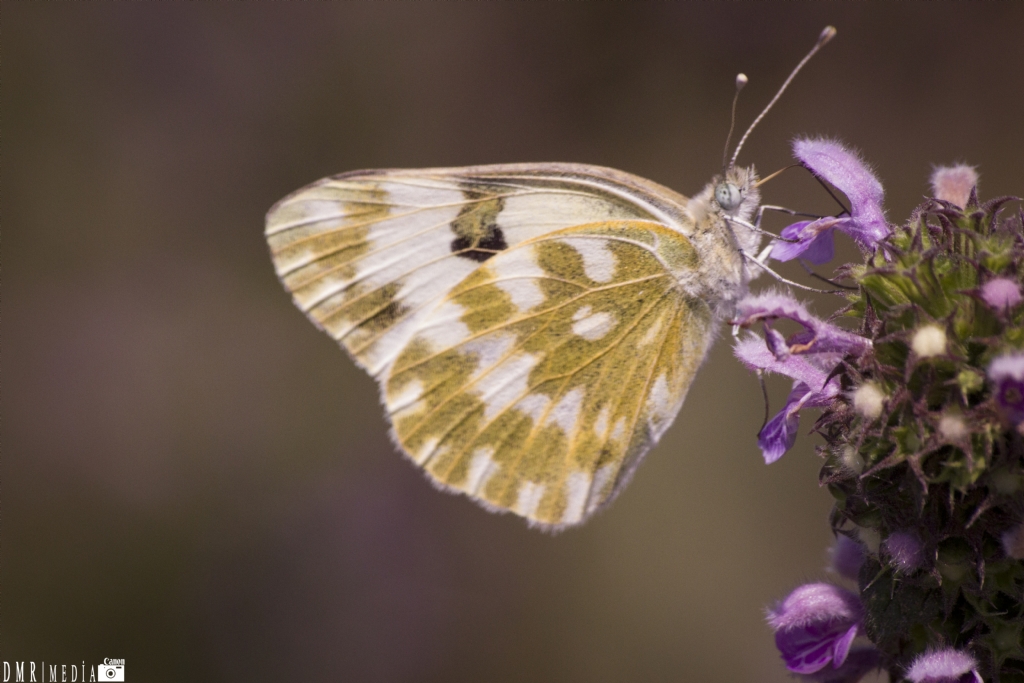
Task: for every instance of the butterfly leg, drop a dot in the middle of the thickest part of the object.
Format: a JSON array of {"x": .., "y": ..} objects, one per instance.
[
  {"x": 757, "y": 260},
  {"x": 781, "y": 209}
]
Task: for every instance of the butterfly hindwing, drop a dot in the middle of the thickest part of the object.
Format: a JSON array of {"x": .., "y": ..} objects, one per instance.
[
  {"x": 367, "y": 255},
  {"x": 539, "y": 381}
]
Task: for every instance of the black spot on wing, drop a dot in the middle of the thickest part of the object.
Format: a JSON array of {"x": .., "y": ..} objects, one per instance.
[
  {"x": 477, "y": 235},
  {"x": 490, "y": 245}
]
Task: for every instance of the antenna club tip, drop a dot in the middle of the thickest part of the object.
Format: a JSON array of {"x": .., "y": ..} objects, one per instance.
[
  {"x": 827, "y": 34},
  {"x": 741, "y": 80}
]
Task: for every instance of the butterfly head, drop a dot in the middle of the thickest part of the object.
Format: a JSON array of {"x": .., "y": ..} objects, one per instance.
[
  {"x": 736, "y": 193},
  {"x": 737, "y": 197}
]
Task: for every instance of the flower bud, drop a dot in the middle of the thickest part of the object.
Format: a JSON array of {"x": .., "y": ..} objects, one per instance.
[
  {"x": 953, "y": 184},
  {"x": 905, "y": 551},
  {"x": 1002, "y": 294},
  {"x": 846, "y": 556},
  {"x": 952, "y": 427},
  {"x": 868, "y": 400},
  {"x": 928, "y": 341}
]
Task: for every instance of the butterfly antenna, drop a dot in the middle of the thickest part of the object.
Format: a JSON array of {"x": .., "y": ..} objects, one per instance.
[
  {"x": 826, "y": 35},
  {"x": 741, "y": 80}
]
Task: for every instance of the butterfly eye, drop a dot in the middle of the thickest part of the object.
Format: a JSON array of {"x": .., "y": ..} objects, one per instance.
[{"x": 728, "y": 195}]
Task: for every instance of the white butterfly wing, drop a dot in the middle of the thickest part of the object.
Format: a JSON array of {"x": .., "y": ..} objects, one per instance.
[{"x": 526, "y": 322}]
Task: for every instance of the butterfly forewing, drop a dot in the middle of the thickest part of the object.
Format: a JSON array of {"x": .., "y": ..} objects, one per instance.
[
  {"x": 534, "y": 327},
  {"x": 538, "y": 382},
  {"x": 368, "y": 254}
]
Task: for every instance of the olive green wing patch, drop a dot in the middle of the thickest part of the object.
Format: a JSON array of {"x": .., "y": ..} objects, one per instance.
[{"x": 538, "y": 383}]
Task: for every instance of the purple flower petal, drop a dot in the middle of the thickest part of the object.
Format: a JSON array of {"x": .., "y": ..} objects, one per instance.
[
  {"x": 944, "y": 666},
  {"x": 779, "y": 433},
  {"x": 817, "y": 335},
  {"x": 859, "y": 662},
  {"x": 752, "y": 352},
  {"x": 845, "y": 170},
  {"x": 814, "y": 241},
  {"x": 1007, "y": 372},
  {"x": 815, "y": 625},
  {"x": 842, "y": 647}
]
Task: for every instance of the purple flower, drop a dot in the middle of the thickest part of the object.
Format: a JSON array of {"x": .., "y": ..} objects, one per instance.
[
  {"x": 817, "y": 336},
  {"x": 861, "y": 660},
  {"x": 847, "y": 556},
  {"x": 845, "y": 170},
  {"x": 953, "y": 184},
  {"x": 807, "y": 356},
  {"x": 814, "y": 241},
  {"x": 905, "y": 551},
  {"x": 1002, "y": 294},
  {"x": 944, "y": 666},
  {"x": 814, "y": 626},
  {"x": 1007, "y": 373}
]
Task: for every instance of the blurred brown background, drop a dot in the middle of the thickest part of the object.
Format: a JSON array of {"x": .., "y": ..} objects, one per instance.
[{"x": 196, "y": 480}]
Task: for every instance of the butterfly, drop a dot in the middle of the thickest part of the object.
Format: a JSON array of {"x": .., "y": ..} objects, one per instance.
[{"x": 534, "y": 328}]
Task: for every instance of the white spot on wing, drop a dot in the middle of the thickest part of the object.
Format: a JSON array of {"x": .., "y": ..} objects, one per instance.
[
  {"x": 659, "y": 405},
  {"x": 481, "y": 468},
  {"x": 424, "y": 452},
  {"x": 303, "y": 211},
  {"x": 598, "y": 260},
  {"x": 405, "y": 397},
  {"x": 528, "y": 499},
  {"x": 506, "y": 383},
  {"x": 619, "y": 430},
  {"x": 534, "y": 405},
  {"x": 516, "y": 275},
  {"x": 444, "y": 328},
  {"x": 490, "y": 351},
  {"x": 601, "y": 423},
  {"x": 577, "y": 488},
  {"x": 539, "y": 212},
  {"x": 602, "y": 479},
  {"x": 652, "y": 331},
  {"x": 592, "y": 326},
  {"x": 567, "y": 410}
]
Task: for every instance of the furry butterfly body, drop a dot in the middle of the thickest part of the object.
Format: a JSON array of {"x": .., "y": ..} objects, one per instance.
[{"x": 534, "y": 328}]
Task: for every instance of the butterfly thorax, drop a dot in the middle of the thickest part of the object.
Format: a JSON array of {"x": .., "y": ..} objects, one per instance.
[{"x": 726, "y": 246}]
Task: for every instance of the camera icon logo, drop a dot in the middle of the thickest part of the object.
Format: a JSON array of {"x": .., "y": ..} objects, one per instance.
[{"x": 110, "y": 670}]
